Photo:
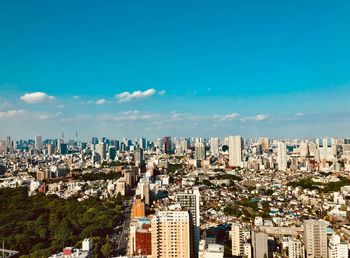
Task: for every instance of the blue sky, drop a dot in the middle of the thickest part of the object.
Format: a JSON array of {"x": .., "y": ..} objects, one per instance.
[{"x": 201, "y": 68}]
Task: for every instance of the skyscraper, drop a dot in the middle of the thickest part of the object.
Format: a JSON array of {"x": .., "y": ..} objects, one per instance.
[
  {"x": 282, "y": 156},
  {"x": 172, "y": 234},
  {"x": 235, "y": 150},
  {"x": 260, "y": 244},
  {"x": 112, "y": 153},
  {"x": 63, "y": 148},
  {"x": 94, "y": 140},
  {"x": 265, "y": 143},
  {"x": 38, "y": 142},
  {"x": 101, "y": 150},
  {"x": 138, "y": 208},
  {"x": 237, "y": 240},
  {"x": 190, "y": 200},
  {"x": 315, "y": 239},
  {"x": 199, "y": 151},
  {"x": 167, "y": 145},
  {"x": 326, "y": 148},
  {"x": 143, "y": 143},
  {"x": 138, "y": 157},
  {"x": 50, "y": 149},
  {"x": 295, "y": 248},
  {"x": 214, "y": 146}
]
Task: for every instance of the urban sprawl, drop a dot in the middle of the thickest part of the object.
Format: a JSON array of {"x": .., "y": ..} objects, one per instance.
[{"x": 177, "y": 197}]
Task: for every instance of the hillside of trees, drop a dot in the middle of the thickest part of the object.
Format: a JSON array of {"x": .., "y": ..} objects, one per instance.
[{"x": 39, "y": 226}]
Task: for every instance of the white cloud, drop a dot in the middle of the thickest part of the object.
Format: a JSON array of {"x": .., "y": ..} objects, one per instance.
[
  {"x": 12, "y": 113},
  {"x": 36, "y": 97},
  {"x": 101, "y": 102},
  {"x": 76, "y": 97},
  {"x": 128, "y": 96},
  {"x": 227, "y": 117},
  {"x": 260, "y": 117},
  {"x": 161, "y": 93},
  {"x": 46, "y": 115},
  {"x": 133, "y": 115}
]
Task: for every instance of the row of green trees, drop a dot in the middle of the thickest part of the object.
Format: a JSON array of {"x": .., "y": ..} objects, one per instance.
[
  {"x": 323, "y": 188},
  {"x": 40, "y": 225}
]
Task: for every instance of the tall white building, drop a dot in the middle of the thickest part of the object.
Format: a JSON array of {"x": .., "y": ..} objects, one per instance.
[
  {"x": 237, "y": 240},
  {"x": 214, "y": 146},
  {"x": 295, "y": 248},
  {"x": 282, "y": 156},
  {"x": 304, "y": 149},
  {"x": 326, "y": 148},
  {"x": 190, "y": 200},
  {"x": 38, "y": 142},
  {"x": 235, "y": 150},
  {"x": 247, "y": 247},
  {"x": 315, "y": 239},
  {"x": 336, "y": 249}
]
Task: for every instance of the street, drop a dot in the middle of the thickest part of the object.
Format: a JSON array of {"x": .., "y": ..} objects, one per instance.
[{"x": 120, "y": 234}]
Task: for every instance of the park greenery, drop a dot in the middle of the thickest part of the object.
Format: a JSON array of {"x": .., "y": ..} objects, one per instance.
[
  {"x": 39, "y": 226},
  {"x": 308, "y": 183}
]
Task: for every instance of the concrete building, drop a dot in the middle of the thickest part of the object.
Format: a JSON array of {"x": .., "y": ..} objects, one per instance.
[
  {"x": 168, "y": 145},
  {"x": 282, "y": 156},
  {"x": 315, "y": 239},
  {"x": 235, "y": 145},
  {"x": 326, "y": 148},
  {"x": 172, "y": 234},
  {"x": 210, "y": 250},
  {"x": 112, "y": 153},
  {"x": 214, "y": 146},
  {"x": 260, "y": 244},
  {"x": 138, "y": 208},
  {"x": 138, "y": 157},
  {"x": 247, "y": 247},
  {"x": 190, "y": 200},
  {"x": 295, "y": 248},
  {"x": 50, "y": 149},
  {"x": 265, "y": 143},
  {"x": 336, "y": 249},
  {"x": 237, "y": 240},
  {"x": 38, "y": 142},
  {"x": 199, "y": 151},
  {"x": 101, "y": 150},
  {"x": 143, "y": 189}
]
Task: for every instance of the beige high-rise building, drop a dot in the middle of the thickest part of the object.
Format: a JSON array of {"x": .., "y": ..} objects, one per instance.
[
  {"x": 190, "y": 200},
  {"x": 260, "y": 244},
  {"x": 237, "y": 240},
  {"x": 214, "y": 146},
  {"x": 295, "y": 248},
  {"x": 172, "y": 234},
  {"x": 315, "y": 239},
  {"x": 265, "y": 144},
  {"x": 235, "y": 150},
  {"x": 282, "y": 156}
]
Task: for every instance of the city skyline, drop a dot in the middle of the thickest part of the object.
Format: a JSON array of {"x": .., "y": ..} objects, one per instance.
[{"x": 192, "y": 69}]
